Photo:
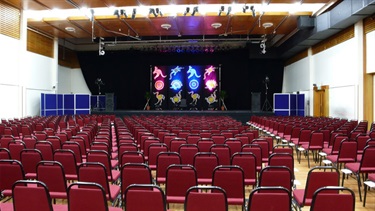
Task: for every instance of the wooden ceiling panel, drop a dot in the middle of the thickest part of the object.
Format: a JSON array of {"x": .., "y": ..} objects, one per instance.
[
  {"x": 154, "y": 2},
  {"x": 115, "y": 26},
  {"x": 63, "y": 24},
  {"x": 274, "y": 19},
  {"x": 209, "y": 20},
  {"x": 143, "y": 26},
  {"x": 48, "y": 29},
  {"x": 242, "y": 24},
  {"x": 289, "y": 24},
  {"x": 173, "y": 31},
  {"x": 177, "y": 2},
  {"x": 91, "y": 3},
  {"x": 122, "y": 3},
  {"x": 85, "y": 24},
  {"x": 56, "y": 4},
  {"x": 33, "y": 5},
  {"x": 191, "y": 25}
]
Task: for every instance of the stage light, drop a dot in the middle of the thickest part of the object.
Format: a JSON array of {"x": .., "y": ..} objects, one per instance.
[
  {"x": 195, "y": 9},
  {"x": 116, "y": 12},
  {"x": 158, "y": 11},
  {"x": 221, "y": 10},
  {"x": 123, "y": 12},
  {"x": 152, "y": 11},
  {"x": 159, "y": 85},
  {"x": 253, "y": 10},
  {"x": 229, "y": 10},
  {"x": 187, "y": 11},
  {"x": 244, "y": 8},
  {"x": 134, "y": 13}
]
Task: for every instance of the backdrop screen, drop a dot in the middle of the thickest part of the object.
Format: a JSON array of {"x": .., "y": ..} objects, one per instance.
[{"x": 192, "y": 87}]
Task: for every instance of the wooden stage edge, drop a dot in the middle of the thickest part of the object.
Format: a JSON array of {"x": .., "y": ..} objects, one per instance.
[{"x": 240, "y": 115}]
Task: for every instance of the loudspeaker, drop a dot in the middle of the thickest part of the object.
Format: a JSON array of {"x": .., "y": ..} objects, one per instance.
[
  {"x": 109, "y": 101},
  {"x": 255, "y": 101}
]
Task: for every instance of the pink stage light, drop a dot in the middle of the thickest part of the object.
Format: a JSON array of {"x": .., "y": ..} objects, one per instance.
[
  {"x": 211, "y": 84},
  {"x": 159, "y": 85}
]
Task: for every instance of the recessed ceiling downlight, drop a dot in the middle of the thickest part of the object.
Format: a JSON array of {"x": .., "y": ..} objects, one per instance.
[
  {"x": 166, "y": 26},
  {"x": 267, "y": 24},
  {"x": 70, "y": 29},
  {"x": 216, "y": 25}
]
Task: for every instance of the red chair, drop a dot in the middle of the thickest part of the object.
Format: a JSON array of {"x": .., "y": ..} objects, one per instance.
[
  {"x": 205, "y": 163},
  {"x": 206, "y": 198},
  {"x": 46, "y": 148},
  {"x": 317, "y": 177},
  {"x": 270, "y": 198},
  {"x": 179, "y": 179},
  {"x": 231, "y": 179},
  {"x": 347, "y": 153},
  {"x": 30, "y": 159},
  {"x": 134, "y": 173},
  {"x": 52, "y": 174},
  {"x": 15, "y": 147},
  {"x": 315, "y": 145},
  {"x": 131, "y": 157},
  {"x": 333, "y": 198},
  {"x": 247, "y": 161},
  {"x": 4, "y": 154},
  {"x": 163, "y": 161},
  {"x": 88, "y": 196},
  {"x": 96, "y": 172},
  {"x": 276, "y": 176},
  {"x": 223, "y": 152},
  {"x": 187, "y": 152},
  {"x": 67, "y": 158},
  {"x": 365, "y": 166},
  {"x": 14, "y": 171},
  {"x": 144, "y": 197},
  {"x": 102, "y": 157},
  {"x": 31, "y": 196}
]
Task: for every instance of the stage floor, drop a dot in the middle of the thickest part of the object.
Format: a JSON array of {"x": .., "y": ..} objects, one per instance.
[{"x": 240, "y": 115}]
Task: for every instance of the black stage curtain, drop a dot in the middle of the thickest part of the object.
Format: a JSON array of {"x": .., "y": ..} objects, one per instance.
[{"x": 127, "y": 74}]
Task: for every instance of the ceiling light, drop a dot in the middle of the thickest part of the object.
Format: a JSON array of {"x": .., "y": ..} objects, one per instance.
[
  {"x": 267, "y": 25},
  {"x": 244, "y": 8},
  {"x": 116, "y": 12},
  {"x": 195, "y": 9},
  {"x": 222, "y": 8},
  {"x": 70, "y": 29},
  {"x": 253, "y": 10},
  {"x": 134, "y": 13},
  {"x": 123, "y": 12},
  {"x": 166, "y": 26},
  {"x": 152, "y": 11},
  {"x": 229, "y": 10},
  {"x": 216, "y": 25},
  {"x": 187, "y": 11}
]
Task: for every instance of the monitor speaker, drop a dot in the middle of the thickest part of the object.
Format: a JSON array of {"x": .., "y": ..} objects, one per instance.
[
  {"x": 255, "y": 101},
  {"x": 109, "y": 101}
]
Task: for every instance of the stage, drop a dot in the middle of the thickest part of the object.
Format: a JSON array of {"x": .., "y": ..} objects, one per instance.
[{"x": 240, "y": 115}]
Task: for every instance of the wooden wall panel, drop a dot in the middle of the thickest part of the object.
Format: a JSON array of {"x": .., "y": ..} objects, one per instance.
[
  {"x": 334, "y": 40},
  {"x": 68, "y": 58},
  {"x": 39, "y": 44},
  {"x": 10, "y": 20},
  {"x": 297, "y": 57}
]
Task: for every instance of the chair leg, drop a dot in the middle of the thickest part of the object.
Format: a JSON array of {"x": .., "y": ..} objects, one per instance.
[
  {"x": 359, "y": 185},
  {"x": 364, "y": 195},
  {"x": 308, "y": 158}
]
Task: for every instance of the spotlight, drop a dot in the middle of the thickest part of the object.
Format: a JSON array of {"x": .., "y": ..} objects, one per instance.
[
  {"x": 187, "y": 11},
  {"x": 116, "y": 12},
  {"x": 92, "y": 15},
  {"x": 244, "y": 8},
  {"x": 123, "y": 12},
  {"x": 152, "y": 11},
  {"x": 195, "y": 9},
  {"x": 222, "y": 8},
  {"x": 134, "y": 13},
  {"x": 229, "y": 10},
  {"x": 158, "y": 11},
  {"x": 253, "y": 10}
]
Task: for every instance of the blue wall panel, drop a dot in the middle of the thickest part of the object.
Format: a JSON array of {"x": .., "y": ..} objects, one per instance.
[
  {"x": 82, "y": 101},
  {"x": 50, "y": 101}
]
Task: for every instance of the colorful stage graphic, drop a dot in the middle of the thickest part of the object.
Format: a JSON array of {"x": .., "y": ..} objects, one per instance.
[{"x": 190, "y": 87}]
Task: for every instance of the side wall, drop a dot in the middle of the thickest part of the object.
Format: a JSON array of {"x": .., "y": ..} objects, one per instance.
[{"x": 340, "y": 67}]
